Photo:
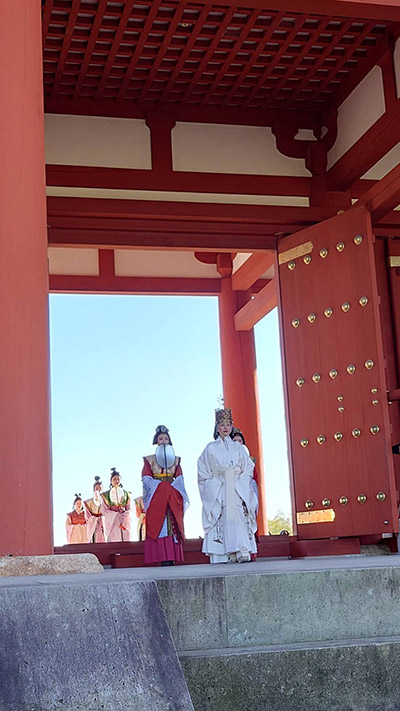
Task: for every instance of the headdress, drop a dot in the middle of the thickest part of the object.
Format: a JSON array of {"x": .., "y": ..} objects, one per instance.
[
  {"x": 236, "y": 432},
  {"x": 161, "y": 429},
  {"x": 97, "y": 480},
  {"x": 222, "y": 415},
  {"x": 114, "y": 473}
]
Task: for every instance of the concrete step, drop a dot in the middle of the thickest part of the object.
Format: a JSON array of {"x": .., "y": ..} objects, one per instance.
[
  {"x": 307, "y": 640},
  {"x": 275, "y": 608},
  {"x": 342, "y": 676}
]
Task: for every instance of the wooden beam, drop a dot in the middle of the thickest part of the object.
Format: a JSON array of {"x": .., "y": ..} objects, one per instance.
[
  {"x": 384, "y": 196},
  {"x": 134, "y": 179},
  {"x": 82, "y": 176},
  {"x": 182, "y": 226},
  {"x": 258, "y": 307},
  {"x": 146, "y": 224},
  {"x": 252, "y": 269},
  {"x": 108, "y": 107},
  {"x": 229, "y": 214},
  {"x": 383, "y": 135},
  {"x": 165, "y": 286},
  {"x": 188, "y": 241}
]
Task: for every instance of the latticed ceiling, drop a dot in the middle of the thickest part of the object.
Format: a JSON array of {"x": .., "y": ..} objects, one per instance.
[{"x": 169, "y": 54}]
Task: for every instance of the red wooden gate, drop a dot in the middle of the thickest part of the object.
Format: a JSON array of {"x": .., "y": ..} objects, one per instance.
[{"x": 339, "y": 431}]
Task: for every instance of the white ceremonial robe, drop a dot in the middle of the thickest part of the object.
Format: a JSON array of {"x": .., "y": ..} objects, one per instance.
[{"x": 225, "y": 475}]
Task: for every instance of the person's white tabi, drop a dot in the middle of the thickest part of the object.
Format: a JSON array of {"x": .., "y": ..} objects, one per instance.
[{"x": 225, "y": 475}]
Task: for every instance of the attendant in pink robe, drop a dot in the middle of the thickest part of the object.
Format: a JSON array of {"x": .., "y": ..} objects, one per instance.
[
  {"x": 115, "y": 505},
  {"x": 76, "y": 522},
  {"x": 164, "y": 498},
  {"x": 94, "y": 515}
]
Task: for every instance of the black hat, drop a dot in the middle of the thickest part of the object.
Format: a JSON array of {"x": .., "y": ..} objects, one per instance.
[
  {"x": 161, "y": 429},
  {"x": 97, "y": 480},
  {"x": 114, "y": 473},
  {"x": 237, "y": 432}
]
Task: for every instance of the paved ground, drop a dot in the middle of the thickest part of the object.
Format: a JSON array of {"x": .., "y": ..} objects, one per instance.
[{"x": 261, "y": 567}]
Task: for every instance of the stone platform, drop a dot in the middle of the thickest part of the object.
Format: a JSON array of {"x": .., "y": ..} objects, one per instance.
[
  {"x": 87, "y": 646},
  {"x": 313, "y": 634}
]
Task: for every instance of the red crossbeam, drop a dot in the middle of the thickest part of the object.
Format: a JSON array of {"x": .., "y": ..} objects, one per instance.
[
  {"x": 180, "y": 181},
  {"x": 383, "y": 135},
  {"x": 166, "y": 286},
  {"x": 252, "y": 269},
  {"x": 384, "y": 196},
  {"x": 259, "y": 306}
]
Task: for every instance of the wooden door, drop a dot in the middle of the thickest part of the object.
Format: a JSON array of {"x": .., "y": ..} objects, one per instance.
[{"x": 337, "y": 412}]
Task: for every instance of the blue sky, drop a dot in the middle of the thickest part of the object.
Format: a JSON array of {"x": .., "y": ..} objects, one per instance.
[{"x": 121, "y": 365}]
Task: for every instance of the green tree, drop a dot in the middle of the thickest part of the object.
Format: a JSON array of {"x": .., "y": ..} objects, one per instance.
[{"x": 280, "y": 522}]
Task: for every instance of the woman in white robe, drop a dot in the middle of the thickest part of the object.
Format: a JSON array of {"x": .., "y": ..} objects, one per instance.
[{"x": 225, "y": 473}]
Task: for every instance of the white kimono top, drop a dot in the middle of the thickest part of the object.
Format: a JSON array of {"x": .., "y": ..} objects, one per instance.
[{"x": 225, "y": 474}]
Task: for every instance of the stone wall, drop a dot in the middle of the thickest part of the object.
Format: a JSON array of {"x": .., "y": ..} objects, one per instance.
[{"x": 97, "y": 647}]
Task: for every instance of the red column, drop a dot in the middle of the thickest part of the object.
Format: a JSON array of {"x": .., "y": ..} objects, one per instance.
[
  {"x": 25, "y": 480},
  {"x": 239, "y": 376}
]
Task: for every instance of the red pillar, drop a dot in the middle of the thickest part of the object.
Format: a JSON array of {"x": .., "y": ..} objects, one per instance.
[
  {"x": 239, "y": 376},
  {"x": 25, "y": 479}
]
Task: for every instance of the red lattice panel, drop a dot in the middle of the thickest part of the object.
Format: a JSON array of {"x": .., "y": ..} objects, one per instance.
[{"x": 174, "y": 54}]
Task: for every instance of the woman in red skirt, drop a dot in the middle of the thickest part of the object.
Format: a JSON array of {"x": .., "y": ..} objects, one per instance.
[{"x": 165, "y": 499}]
